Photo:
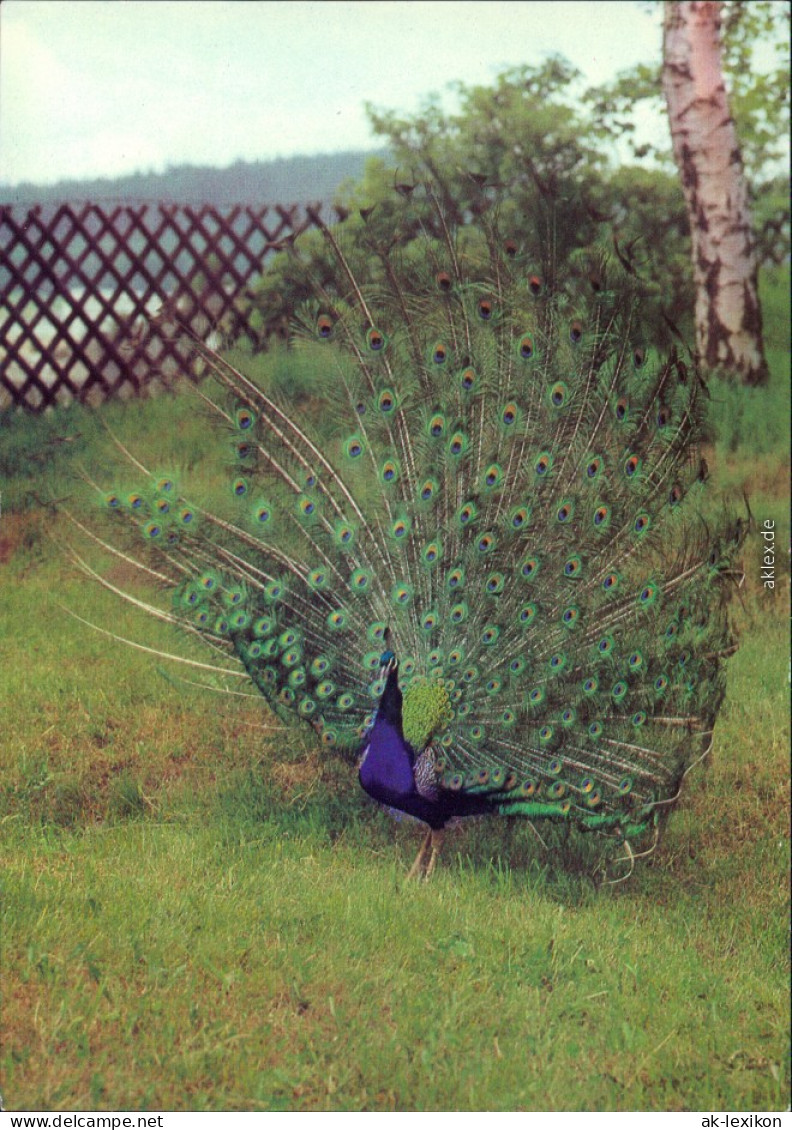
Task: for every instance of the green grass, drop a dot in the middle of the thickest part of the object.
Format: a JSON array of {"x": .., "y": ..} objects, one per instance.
[{"x": 199, "y": 913}]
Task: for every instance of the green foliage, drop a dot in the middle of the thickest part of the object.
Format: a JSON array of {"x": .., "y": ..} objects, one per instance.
[
  {"x": 649, "y": 216},
  {"x": 526, "y": 132},
  {"x": 758, "y": 418},
  {"x": 771, "y": 221},
  {"x": 537, "y": 131},
  {"x": 613, "y": 111},
  {"x": 759, "y": 98},
  {"x": 759, "y": 102}
]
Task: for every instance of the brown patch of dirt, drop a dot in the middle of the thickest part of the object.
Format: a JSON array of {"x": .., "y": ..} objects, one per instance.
[{"x": 12, "y": 532}]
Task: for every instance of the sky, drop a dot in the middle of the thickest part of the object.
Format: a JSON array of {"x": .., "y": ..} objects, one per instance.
[
  {"x": 93, "y": 88},
  {"x": 101, "y": 88}
]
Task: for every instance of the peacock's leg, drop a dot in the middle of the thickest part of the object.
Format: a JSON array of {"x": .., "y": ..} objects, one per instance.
[
  {"x": 436, "y": 838},
  {"x": 418, "y": 867}
]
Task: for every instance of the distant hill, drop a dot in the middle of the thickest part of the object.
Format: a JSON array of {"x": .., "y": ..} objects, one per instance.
[{"x": 287, "y": 180}]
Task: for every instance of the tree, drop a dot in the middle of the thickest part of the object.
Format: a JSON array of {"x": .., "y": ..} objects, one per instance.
[
  {"x": 728, "y": 315},
  {"x": 564, "y": 202},
  {"x": 538, "y": 132},
  {"x": 758, "y": 87}
]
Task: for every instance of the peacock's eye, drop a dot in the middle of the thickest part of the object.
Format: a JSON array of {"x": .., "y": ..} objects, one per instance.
[{"x": 375, "y": 340}]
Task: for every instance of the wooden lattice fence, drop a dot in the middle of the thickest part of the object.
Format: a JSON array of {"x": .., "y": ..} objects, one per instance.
[{"x": 83, "y": 289}]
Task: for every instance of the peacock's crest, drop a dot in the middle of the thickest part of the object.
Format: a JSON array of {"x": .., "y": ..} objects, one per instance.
[{"x": 479, "y": 533}]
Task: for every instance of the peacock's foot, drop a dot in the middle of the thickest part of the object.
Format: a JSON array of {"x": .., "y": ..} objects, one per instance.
[{"x": 427, "y": 855}]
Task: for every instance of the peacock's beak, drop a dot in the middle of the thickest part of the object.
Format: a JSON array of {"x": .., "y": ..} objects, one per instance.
[{"x": 388, "y": 663}]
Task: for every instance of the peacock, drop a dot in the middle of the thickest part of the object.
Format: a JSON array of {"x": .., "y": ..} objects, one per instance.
[{"x": 474, "y": 555}]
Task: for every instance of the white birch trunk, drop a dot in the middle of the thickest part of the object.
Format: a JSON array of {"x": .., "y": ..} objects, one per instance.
[{"x": 728, "y": 315}]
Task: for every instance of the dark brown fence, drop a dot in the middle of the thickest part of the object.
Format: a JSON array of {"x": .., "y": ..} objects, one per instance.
[{"x": 81, "y": 288}]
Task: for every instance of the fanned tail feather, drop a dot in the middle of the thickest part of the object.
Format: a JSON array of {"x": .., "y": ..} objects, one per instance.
[{"x": 499, "y": 480}]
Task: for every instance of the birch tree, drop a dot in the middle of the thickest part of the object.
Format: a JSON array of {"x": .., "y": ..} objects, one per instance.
[{"x": 728, "y": 315}]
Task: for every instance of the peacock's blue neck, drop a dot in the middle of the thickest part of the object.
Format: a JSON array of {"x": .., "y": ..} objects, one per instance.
[{"x": 388, "y": 759}]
